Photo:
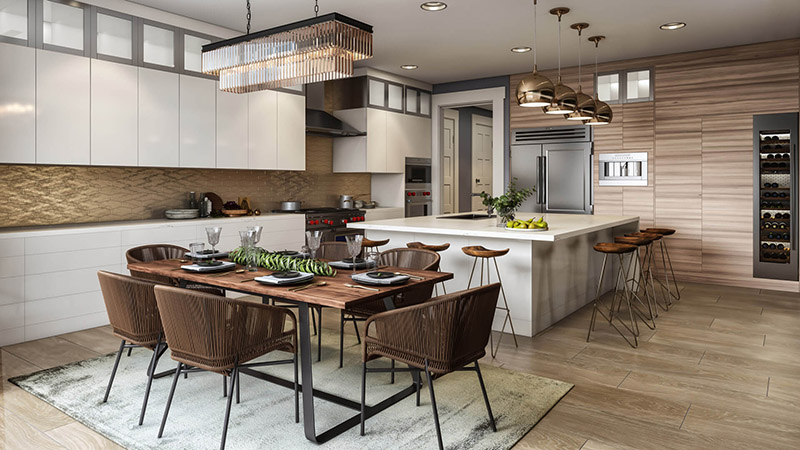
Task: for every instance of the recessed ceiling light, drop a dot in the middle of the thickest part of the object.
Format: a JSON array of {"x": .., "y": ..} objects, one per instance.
[
  {"x": 409, "y": 66},
  {"x": 673, "y": 25},
  {"x": 433, "y": 6},
  {"x": 521, "y": 49}
]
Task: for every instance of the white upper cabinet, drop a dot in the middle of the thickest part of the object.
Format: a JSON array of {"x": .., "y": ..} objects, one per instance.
[
  {"x": 62, "y": 108},
  {"x": 291, "y": 132},
  {"x": 114, "y": 113},
  {"x": 158, "y": 118},
  {"x": 232, "y": 130},
  {"x": 262, "y": 144},
  {"x": 17, "y": 104},
  {"x": 198, "y": 122}
]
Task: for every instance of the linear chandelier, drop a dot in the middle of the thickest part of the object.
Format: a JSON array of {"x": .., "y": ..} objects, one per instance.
[{"x": 317, "y": 49}]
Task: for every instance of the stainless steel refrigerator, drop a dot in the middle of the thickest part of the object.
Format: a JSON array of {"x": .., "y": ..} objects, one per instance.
[{"x": 557, "y": 161}]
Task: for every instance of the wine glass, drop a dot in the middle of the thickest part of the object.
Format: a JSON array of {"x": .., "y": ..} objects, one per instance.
[
  {"x": 248, "y": 240},
  {"x": 354, "y": 246},
  {"x": 257, "y": 229},
  {"x": 213, "y": 239},
  {"x": 373, "y": 256},
  {"x": 314, "y": 240}
]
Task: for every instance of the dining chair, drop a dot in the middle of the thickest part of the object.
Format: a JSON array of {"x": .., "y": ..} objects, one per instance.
[
  {"x": 133, "y": 314},
  {"x": 160, "y": 252},
  {"x": 333, "y": 251},
  {"x": 216, "y": 334},
  {"x": 406, "y": 258},
  {"x": 440, "y": 336}
]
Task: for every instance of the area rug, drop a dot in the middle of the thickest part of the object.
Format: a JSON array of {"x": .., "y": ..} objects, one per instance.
[{"x": 265, "y": 417}]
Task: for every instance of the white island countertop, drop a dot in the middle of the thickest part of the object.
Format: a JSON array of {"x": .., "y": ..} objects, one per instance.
[{"x": 561, "y": 226}]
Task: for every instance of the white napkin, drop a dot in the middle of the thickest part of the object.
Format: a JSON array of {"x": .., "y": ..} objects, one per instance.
[
  {"x": 366, "y": 279},
  {"x": 196, "y": 268},
  {"x": 219, "y": 254},
  {"x": 269, "y": 279}
]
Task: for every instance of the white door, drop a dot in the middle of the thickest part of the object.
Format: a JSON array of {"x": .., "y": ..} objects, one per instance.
[
  {"x": 450, "y": 162},
  {"x": 481, "y": 159}
]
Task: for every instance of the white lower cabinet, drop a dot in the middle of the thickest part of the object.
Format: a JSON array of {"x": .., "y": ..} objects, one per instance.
[
  {"x": 198, "y": 106},
  {"x": 114, "y": 114},
  {"x": 158, "y": 118},
  {"x": 18, "y": 104},
  {"x": 48, "y": 278},
  {"x": 232, "y": 130},
  {"x": 62, "y": 108},
  {"x": 262, "y": 146}
]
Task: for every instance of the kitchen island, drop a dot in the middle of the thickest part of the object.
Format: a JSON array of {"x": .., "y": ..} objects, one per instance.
[{"x": 546, "y": 275}]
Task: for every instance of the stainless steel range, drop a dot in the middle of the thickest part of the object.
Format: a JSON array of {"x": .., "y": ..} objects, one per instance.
[{"x": 331, "y": 221}]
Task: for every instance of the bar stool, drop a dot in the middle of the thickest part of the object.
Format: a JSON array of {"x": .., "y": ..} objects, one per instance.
[
  {"x": 649, "y": 265},
  {"x": 638, "y": 279},
  {"x": 484, "y": 254},
  {"x": 607, "y": 248},
  {"x": 433, "y": 248},
  {"x": 668, "y": 277},
  {"x": 370, "y": 244}
]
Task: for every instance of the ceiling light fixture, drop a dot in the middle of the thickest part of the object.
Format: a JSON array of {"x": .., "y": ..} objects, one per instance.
[
  {"x": 312, "y": 50},
  {"x": 433, "y": 6},
  {"x": 584, "y": 109},
  {"x": 535, "y": 90},
  {"x": 603, "y": 115},
  {"x": 521, "y": 49},
  {"x": 565, "y": 99},
  {"x": 673, "y": 26},
  {"x": 409, "y": 66}
]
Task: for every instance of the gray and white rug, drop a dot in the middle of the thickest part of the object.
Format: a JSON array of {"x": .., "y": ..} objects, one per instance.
[{"x": 265, "y": 417}]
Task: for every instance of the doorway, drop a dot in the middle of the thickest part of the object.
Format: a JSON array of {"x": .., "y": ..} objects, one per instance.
[{"x": 467, "y": 157}]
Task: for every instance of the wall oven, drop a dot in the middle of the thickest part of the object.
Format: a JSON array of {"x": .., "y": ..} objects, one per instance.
[{"x": 418, "y": 187}]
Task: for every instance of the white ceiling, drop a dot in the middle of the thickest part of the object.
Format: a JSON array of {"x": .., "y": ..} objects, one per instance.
[{"x": 472, "y": 38}]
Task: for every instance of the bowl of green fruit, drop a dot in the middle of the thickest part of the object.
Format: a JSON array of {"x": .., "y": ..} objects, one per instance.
[{"x": 531, "y": 224}]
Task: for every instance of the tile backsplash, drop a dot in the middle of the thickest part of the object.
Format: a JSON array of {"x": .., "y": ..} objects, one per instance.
[{"x": 46, "y": 195}]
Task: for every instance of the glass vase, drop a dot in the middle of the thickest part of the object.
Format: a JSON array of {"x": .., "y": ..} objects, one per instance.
[{"x": 504, "y": 216}]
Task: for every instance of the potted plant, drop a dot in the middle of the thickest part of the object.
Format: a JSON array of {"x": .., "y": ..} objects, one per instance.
[{"x": 506, "y": 205}]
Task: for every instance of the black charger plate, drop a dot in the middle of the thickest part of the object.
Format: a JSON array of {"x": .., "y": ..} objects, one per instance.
[
  {"x": 380, "y": 275},
  {"x": 209, "y": 263},
  {"x": 286, "y": 274}
]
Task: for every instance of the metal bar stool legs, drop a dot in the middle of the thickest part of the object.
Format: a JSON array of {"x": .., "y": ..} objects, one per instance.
[
  {"x": 669, "y": 283},
  {"x": 632, "y": 326},
  {"x": 485, "y": 255}
]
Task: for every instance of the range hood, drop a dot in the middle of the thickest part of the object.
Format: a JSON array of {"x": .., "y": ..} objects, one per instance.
[{"x": 321, "y": 123}]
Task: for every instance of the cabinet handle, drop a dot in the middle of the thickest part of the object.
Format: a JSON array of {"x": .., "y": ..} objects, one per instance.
[{"x": 477, "y": 180}]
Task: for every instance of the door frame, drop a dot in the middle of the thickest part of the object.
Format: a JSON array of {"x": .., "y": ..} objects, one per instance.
[
  {"x": 456, "y": 117},
  {"x": 496, "y": 96}
]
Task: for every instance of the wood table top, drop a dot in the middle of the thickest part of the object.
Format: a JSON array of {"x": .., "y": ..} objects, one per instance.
[{"x": 335, "y": 294}]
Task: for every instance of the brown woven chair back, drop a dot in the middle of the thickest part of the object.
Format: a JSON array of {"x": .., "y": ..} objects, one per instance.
[
  {"x": 213, "y": 333},
  {"x": 450, "y": 331},
  {"x": 333, "y": 251},
  {"x": 156, "y": 252},
  {"x": 411, "y": 258},
  {"x": 131, "y": 307}
]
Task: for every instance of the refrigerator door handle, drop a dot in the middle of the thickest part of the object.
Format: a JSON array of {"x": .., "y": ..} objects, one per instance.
[
  {"x": 543, "y": 183},
  {"x": 792, "y": 207},
  {"x": 539, "y": 180},
  {"x": 591, "y": 179}
]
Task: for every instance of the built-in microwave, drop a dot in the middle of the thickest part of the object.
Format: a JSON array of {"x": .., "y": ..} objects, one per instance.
[
  {"x": 418, "y": 173},
  {"x": 622, "y": 169}
]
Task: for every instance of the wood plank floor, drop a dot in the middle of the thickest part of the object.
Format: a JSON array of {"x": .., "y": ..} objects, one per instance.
[{"x": 721, "y": 371}]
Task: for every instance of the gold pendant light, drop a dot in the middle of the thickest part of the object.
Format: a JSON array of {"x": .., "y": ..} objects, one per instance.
[
  {"x": 586, "y": 107},
  {"x": 565, "y": 99},
  {"x": 603, "y": 115},
  {"x": 535, "y": 89},
  {"x": 317, "y": 49}
]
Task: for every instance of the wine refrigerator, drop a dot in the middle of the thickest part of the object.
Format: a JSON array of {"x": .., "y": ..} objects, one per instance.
[{"x": 775, "y": 194}]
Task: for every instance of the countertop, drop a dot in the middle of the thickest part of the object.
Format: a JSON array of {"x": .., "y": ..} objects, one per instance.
[
  {"x": 562, "y": 226},
  {"x": 130, "y": 224}
]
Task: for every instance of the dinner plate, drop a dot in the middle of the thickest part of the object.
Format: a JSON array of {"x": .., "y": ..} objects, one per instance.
[
  {"x": 286, "y": 274},
  {"x": 303, "y": 277},
  {"x": 364, "y": 278},
  {"x": 381, "y": 275},
  {"x": 226, "y": 265}
]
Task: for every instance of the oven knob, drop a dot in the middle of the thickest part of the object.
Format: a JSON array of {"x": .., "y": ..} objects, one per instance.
[
  {"x": 408, "y": 194},
  {"x": 316, "y": 222},
  {"x": 344, "y": 221},
  {"x": 413, "y": 194}
]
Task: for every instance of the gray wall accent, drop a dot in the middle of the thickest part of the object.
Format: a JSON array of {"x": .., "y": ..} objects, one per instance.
[
  {"x": 483, "y": 83},
  {"x": 465, "y": 154}
]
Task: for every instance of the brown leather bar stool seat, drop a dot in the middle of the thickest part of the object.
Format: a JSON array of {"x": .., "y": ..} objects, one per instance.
[
  {"x": 369, "y": 243},
  {"x": 620, "y": 250},
  {"x": 434, "y": 248},
  {"x": 662, "y": 231},
  {"x": 431, "y": 247},
  {"x": 652, "y": 236},
  {"x": 633, "y": 240},
  {"x": 479, "y": 252}
]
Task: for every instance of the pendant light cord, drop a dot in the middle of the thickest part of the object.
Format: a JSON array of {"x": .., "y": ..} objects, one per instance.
[
  {"x": 316, "y": 8},
  {"x": 596, "y": 96},
  {"x": 580, "y": 88},
  {"x": 248, "y": 16},
  {"x": 534, "y": 35},
  {"x": 559, "y": 48}
]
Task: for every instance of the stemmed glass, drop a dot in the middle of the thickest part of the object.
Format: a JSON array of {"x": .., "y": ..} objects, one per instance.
[
  {"x": 314, "y": 240},
  {"x": 213, "y": 239},
  {"x": 248, "y": 239},
  {"x": 256, "y": 229},
  {"x": 373, "y": 257},
  {"x": 354, "y": 246}
]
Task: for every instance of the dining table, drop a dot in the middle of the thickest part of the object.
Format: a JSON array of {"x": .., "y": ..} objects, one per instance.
[{"x": 335, "y": 293}]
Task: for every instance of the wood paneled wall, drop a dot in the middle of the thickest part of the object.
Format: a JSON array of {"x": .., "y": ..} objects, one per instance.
[{"x": 698, "y": 135}]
